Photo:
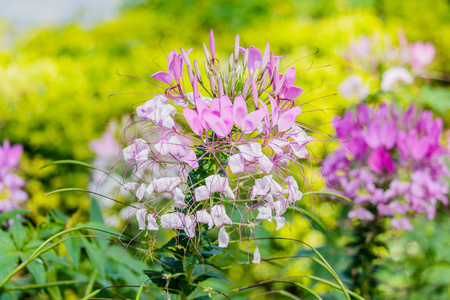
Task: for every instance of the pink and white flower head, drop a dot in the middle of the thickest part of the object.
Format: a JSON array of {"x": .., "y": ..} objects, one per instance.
[
  {"x": 11, "y": 193},
  {"x": 421, "y": 54},
  {"x": 391, "y": 162},
  {"x": 235, "y": 147}
]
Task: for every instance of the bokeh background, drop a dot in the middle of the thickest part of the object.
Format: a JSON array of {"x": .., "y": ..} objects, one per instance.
[{"x": 60, "y": 66}]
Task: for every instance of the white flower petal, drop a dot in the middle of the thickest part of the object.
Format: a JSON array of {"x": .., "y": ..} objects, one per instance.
[
  {"x": 256, "y": 256},
  {"x": 201, "y": 193},
  {"x": 141, "y": 216},
  {"x": 224, "y": 238},
  {"x": 152, "y": 225}
]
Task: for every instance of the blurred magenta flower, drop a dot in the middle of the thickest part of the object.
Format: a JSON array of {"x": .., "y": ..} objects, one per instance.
[
  {"x": 391, "y": 163},
  {"x": 421, "y": 54},
  {"x": 11, "y": 193}
]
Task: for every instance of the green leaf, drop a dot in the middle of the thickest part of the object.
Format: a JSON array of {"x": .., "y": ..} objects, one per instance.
[
  {"x": 9, "y": 257},
  {"x": 96, "y": 256},
  {"x": 310, "y": 216},
  {"x": 185, "y": 287},
  {"x": 172, "y": 265},
  {"x": 212, "y": 275},
  {"x": 36, "y": 267},
  {"x": 73, "y": 247},
  {"x": 95, "y": 212},
  {"x": 11, "y": 214},
  {"x": 156, "y": 277},
  {"x": 191, "y": 260},
  {"x": 18, "y": 233},
  {"x": 103, "y": 241},
  {"x": 437, "y": 99},
  {"x": 91, "y": 295},
  {"x": 52, "y": 257},
  {"x": 68, "y": 161},
  {"x": 206, "y": 240}
]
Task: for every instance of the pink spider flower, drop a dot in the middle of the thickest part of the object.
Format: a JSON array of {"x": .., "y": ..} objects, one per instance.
[
  {"x": 243, "y": 138},
  {"x": 11, "y": 193}
]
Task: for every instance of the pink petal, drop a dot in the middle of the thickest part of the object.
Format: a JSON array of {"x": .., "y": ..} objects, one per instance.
[
  {"x": 216, "y": 124},
  {"x": 254, "y": 59},
  {"x": 290, "y": 77},
  {"x": 215, "y": 107},
  {"x": 293, "y": 92},
  {"x": 274, "y": 107},
  {"x": 420, "y": 149},
  {"x": 225, "y": 102},
  {"x": 193, "y": 120},
  {"x": 227, "y": 117},
  {"x": 254, "y": 93},
  {"x": 251, "y": 121},
  {"x": 162, "y": 76},
  {"x": 202, "y": 108},
  {"x": 239, "y": 110},
  {"x": 288, "y": 118}
]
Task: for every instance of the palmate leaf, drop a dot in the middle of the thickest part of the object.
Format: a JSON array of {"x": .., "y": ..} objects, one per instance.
[
  {"x": 36, "y": 267},
  {"x": 18, "y": 233},
  {"x": 9, "y": 257}
]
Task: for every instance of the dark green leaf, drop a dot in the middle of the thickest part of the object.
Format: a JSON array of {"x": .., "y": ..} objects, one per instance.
[
  {"x": 185, "y": 287},
  {"x": 206, "y": 240},
  {"x": 172, "y": 265},
  {"x": 191, "y": 260},
  {"x": 212, "y": 275},
  {"x": 156, "y": 277}
]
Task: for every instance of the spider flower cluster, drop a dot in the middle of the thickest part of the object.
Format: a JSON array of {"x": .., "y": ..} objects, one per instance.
[
  {"x": 399, "y": 64},
  {"x": 224, "y": 148},
  {"x": 11, "y": 193},
  {"x": 391, "y": 163}
]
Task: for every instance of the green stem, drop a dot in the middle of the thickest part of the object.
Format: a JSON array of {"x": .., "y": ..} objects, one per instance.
[
  {"x": 90, "y": 285},
  {"x": 141, "y": 288},
  {"x": 42, "y": 285},
  {"x": 329, "y": 194}
]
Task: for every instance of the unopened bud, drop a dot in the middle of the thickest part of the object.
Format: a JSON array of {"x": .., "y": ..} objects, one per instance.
[
  {"x": 206, "y": 52},
  {"x": 266, "y": 57},
  {"x": 185, "y": 57},
  {"x": 236, "y": 48}
]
